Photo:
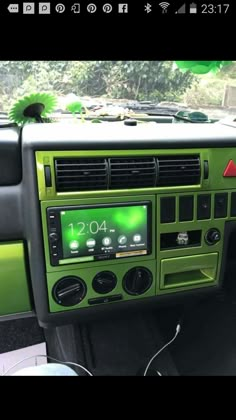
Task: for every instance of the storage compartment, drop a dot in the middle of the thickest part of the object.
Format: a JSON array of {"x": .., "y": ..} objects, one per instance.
[
  {"x": 14, "y": 291},
  {"x": 189, "y": 270},
  {"x": 177, "y": 240}
]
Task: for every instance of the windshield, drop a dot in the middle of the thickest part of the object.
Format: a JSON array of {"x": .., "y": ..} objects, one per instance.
[{"x": 112, "y": 87}]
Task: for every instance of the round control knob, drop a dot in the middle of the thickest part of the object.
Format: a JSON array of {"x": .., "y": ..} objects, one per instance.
[
  {"x": 53, "y": 237},
  {"x": 69, "y": 291},
  {"x": 104, "y": 282},
  {"x": 212, "y": 236},
  {"x": 137, "y": 281}
]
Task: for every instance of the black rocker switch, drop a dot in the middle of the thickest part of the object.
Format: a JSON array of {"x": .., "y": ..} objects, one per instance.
[{"x": 48, "y": 176}]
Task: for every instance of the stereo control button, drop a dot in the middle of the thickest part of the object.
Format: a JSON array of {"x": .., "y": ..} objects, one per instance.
[{"x": 53, "y": 237}]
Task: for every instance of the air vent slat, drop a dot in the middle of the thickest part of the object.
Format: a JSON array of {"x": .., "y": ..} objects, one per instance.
[
  {"x": 179, "y": 172},
  {"x": 188, "y": 165},
  {"x": 131, "y": 173},
  {"x": 81, "y": 170},
  {"x": 80, "y": 174},
  {"x": 169, "y": 162}
]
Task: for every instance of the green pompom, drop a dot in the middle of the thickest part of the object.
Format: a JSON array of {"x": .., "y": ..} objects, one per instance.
[
  {"x": 202, "y": 67},
  {"x": 74, "y": 107}
]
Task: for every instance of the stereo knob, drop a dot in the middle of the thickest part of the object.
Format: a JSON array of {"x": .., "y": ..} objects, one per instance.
[
  {"x": 137, "y": 281},
  {"x": 53, "y": 237},
  {"x": 104, "y": 282},
  {"x": 69, "y": 291},
  {"x": 212, "y": 236}
]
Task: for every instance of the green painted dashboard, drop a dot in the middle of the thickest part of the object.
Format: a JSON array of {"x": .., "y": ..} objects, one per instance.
[
  {"x": 174, "y": 269},
  {"x": 189, "y": 227},
  {"x": 218, "y": 159},
  {"x": 14, "y": 290}
]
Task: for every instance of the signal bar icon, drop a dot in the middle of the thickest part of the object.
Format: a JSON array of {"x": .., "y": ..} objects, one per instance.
[
  {"x": 182, "y": 9},
  {"x": 164, "y": 5}
]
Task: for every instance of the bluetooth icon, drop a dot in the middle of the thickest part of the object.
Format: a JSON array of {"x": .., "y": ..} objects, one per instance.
[{"x": 148, "y": 8}]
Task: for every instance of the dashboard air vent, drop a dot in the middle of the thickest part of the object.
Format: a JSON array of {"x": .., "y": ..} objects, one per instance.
[
  {"x": 81, "y": 174},
  {"x": 178, "y": 170},
  {"x": 135, "y": 172}
]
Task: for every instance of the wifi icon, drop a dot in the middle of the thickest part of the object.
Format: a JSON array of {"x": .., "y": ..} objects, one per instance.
[{"x": 164, "y": 5}]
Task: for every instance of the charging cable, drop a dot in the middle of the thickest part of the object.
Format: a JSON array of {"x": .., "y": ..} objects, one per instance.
[
  {"x": 159, "y": 351},
  {"x": 48, "y": 357}
]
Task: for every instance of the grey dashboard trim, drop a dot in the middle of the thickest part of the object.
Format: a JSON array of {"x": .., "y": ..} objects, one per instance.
[
  {"x": 63, "y": 136},
  {"x": 20, "y": 315},
  {"x": 10, "y": 156},
  {"x": 11, "y": 217}
]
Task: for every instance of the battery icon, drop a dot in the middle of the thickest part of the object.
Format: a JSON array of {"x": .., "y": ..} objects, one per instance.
[{"x": 193, "y": 8}]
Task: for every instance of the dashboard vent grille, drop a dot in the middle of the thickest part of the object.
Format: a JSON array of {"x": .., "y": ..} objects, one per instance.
[
  {"x": 83, "y": 174},
  {"x": 132, "y": 172},
  {"x": 178, "y": 170},
  {"x": 94, "y": 174}
]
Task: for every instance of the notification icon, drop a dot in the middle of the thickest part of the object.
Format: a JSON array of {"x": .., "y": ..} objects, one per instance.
[{"x": 13, "y": 8}]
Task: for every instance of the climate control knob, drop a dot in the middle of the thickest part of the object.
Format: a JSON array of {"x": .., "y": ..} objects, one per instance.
[
  {"x": 212, "y": 236},
  {"x": 104, "y": 282},
  {"x": 137, "y": 281},
  {"x": 69, "y": 291}
]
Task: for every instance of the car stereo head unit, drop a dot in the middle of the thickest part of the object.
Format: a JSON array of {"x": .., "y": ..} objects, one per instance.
[{"x": 94, "y": 233}]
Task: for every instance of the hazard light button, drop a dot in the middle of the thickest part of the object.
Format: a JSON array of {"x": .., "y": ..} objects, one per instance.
[{"x": 230, "y": 169}]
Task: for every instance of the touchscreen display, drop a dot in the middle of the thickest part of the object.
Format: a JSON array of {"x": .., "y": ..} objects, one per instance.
[{"x": 105, "y": 232}]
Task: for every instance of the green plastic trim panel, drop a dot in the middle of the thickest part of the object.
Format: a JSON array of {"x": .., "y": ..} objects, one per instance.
[
  {"x": 217, "y": 159},
  {"x": 47, "y": 159},
  {"x": 208, "y": 257},
  {"x": 175, "y": 268},
  {"x": 184, "y": 254},
  {"x": 14, "y": 291},
  {"x": 87, "y": 275},
  {"x": 191, "y": 270}
]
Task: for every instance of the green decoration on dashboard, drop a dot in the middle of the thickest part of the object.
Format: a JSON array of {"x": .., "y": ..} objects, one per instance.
[
  {"x": 74, "y": 107},
  {"x": 31, "y": 108},
  {"x": 202, "y": 67},
  {"x": 194, "y": 117}
]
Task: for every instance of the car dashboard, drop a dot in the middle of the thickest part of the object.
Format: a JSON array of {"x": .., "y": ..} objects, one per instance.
[{"x": 97, "y": 218}]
